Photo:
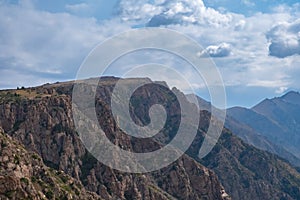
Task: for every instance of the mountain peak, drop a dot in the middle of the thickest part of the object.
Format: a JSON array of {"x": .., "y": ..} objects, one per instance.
[
  {"x": 291, "y": 95},
  {"x": 264, "y": 103}
]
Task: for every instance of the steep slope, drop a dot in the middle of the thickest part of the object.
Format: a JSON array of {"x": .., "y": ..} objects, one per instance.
[
  {"x": 257, "y": 121},
  {"x": 276, "y": 119},
  {"x": 247, "y": 172},
  {"x": 23, "y": 175},
  {"x": 249, "y": 125},
  {"x": 283, "y": 184},
  {"x": 41, "y": 118}
]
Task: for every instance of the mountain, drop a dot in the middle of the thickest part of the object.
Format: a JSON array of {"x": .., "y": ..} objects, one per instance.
[
  {"x": 23, "y": 175},
  {"x": 249, "y": 173},
  {"x": 41, "y": 119},
  {"x": 276, "y": 119},
  {"x": 239, "y": 121}
]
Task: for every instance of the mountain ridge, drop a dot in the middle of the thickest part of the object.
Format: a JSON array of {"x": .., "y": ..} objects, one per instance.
[
  {"x": 246, "y": 132},
  {"x": 41, "y": 119},
  {"x": 277, "y": 119}
]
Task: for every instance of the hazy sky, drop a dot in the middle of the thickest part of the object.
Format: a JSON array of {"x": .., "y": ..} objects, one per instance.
[{"x": 255, "y": 44}]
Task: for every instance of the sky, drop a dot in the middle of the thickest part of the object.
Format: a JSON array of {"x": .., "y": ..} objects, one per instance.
[{"x": 254, "y": 44}]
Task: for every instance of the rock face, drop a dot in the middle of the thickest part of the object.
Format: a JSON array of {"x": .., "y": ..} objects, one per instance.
[
  {"x": 250, "y": 173},
  {"x": 247, "y": 172},
  {"x": 41, "y": 119},
  {"x": 23, "y": 175}
]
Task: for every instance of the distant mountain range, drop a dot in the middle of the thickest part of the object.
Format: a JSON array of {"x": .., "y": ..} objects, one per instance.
[
  {"x": 247, "y": 124},
  {"x": 277, "y": 120}
]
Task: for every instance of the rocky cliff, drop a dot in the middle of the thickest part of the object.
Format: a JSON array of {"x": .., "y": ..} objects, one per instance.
[
  {"x": 41, "y": 119},
  {"x": 250, "y": 173},
  {"x": 23, "y": 175}
]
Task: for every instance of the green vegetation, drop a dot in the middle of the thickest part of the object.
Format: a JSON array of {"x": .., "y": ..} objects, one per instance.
[
  {"x": 20, "y": 93},
  {"x": 49, "y": 194},
  {"x": 36, "y": 157},
  {"x": 16, "y": 160},
  {"x": 24, "y": 180},
  {"x": 10, "y": 194},
  {"x": 33, "y": 179},
  {"x": 9, "y": 96},
  {"x": 67, "y": 188},
  {"x": 88, "y": 162},
  {"x": 64, "y": 178},
  {"x": 3, "y": 144}
]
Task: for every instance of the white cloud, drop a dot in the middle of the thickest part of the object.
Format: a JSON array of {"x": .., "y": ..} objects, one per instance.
[
  {"x": 281, "y": 90},
  {"x": 172, "y": 12},
  {"x": 284, "y": 39},
  {"x": 135, "y": 10},
  {"x": 221, "y": 50},
  {"x": 248, "y": 63},
  {"x": 267, "y": 83},
  {"x": 240, "y": 25},
  {"x": 38, "y": 43}
]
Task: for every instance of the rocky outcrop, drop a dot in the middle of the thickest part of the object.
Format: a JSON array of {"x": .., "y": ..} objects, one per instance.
[
  {"x": 41, "y": 118},
  {"x": 247, "y": 172},
  {"x": 23, "y": 175}
]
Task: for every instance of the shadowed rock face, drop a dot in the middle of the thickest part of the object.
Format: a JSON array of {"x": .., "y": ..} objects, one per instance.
[
  {"x": 247, "y": 172},
  {"x": 250, "y": 173},
  {"x": 41, "y": 119}
]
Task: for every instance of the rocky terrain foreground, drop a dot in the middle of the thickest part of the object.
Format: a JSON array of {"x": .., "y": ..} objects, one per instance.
[{"x": 23, "y": 175}]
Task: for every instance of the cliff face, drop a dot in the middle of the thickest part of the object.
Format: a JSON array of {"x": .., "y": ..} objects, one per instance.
[
  {"x": 23, "y": 175},
  {"x": 247, "y": 172},
  {"x": 41, "y": 119}
]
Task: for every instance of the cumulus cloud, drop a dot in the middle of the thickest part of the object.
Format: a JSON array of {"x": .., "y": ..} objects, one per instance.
[
  {"x": 240, "y": 25},
  {"x": 44, "y": 44},
  {"x": 221, "y": 50},
  {"x": 39, "y": 46},
  {"x": 249, "y": 65},
  {"x": 284, "y": 39},
  {"x": 281, "y": 90},
  {"x": 162, "y": 13}
]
